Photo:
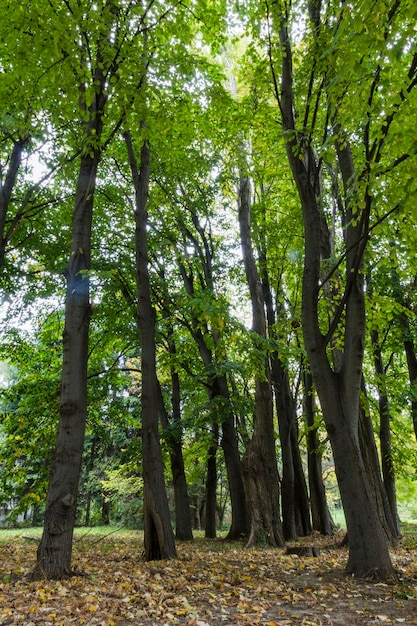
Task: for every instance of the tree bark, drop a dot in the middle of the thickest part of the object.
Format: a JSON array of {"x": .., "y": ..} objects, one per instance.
[
  {"x": 183, "y": 525},
  {"x": 219, "y": 391},
  {"x": 54, "y": 552},
  {"x": 339, "y": 391},
  {"x": 239, "y": 525},
  {"x": 387, "y": 462},
  {"x": 319, "y": 509},
  {"x": 302, "y": 504},
  {"x": 158, "y": 534},
  {"x": 410, "y": 353},
  {"x": 210, "y": 524},
  {"x": 259, "y": 462},
  {"x": 373, "y": 469},
  {"x": 6, "y": 189}
]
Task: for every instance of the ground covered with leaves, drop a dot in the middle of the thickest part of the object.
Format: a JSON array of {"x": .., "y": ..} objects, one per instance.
[{"x": 212, "y": 583}]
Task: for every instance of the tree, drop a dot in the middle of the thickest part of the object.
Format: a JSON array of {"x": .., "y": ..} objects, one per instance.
[
  {"x": 295, "y": 504},
  {"x": 338, "y": 389},
  {"x": 99, "y": 57},
  {"x": 188, "y": 223},
  {"x": 173, "y": 435},
  {"x": 321, "y": 519},
  {"x": 259, "y": 462},
  {"x": 208, "y": 337},
  {"x": 387, "y": 461},
  {"x": 159, "y": 538}
]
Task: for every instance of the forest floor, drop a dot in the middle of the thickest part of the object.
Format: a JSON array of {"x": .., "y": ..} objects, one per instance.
[{"x": 212, "y": 583}]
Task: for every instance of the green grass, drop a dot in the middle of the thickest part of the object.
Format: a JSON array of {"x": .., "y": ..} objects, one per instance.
[
  {"x": 96, "y": 533},
  {"x": 338, "y": 517},
  {"x": 7, "y": 534}
]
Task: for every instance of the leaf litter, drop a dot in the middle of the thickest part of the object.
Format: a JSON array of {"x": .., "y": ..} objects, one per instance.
[{"x": 212, "y": 583}]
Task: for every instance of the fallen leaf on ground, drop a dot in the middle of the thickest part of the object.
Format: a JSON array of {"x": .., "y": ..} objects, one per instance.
[{"x": 212, "y": 583}]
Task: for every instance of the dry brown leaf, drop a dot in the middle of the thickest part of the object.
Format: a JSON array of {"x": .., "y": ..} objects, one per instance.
[{"x": 211, "y": 583}]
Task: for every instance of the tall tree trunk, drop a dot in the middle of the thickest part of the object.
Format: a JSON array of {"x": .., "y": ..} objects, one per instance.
[
  {"x": 294, "y": 494},
  {"x": 239, "y": 526},
  {"x": 259, "y": 463},
  {"x": 321, "y": 518},
  {"x": 302, "y": 504},
  {"x": 339, "y": 391},
  {"x": 158, "y": 533},
  {"x": 387, "y": 462},
  {"x": 6, "y": 189},
  {"x": 373, "y": 469},
  {"x": 295, "y": 502},
  {"x": 285, "y": 417},
  {"x": 218, "y": 386},
  {"x": 54, "y": 552},
  {"x": 410, "y": 352},
  {"x": 295, "y": 505},
  {"x": 210, "y": 524},
  {"x": 173, "y": 434},
  {"x": 89, "y": 468}
]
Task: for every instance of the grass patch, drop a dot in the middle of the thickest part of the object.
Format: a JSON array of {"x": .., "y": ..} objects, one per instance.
[
  {"x": 408, "y": 535},
  {"x": 7, "y": 535},
  {"x": 93, "y": 534}
]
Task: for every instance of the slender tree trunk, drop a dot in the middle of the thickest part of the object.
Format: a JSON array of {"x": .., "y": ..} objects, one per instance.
[
  {"x": 174, "y": 436},
  {"x": 302, "y": 504},
  {"x": 89, "y": 468},
  {"x": 284, "y": 408},
  {"x": 407, "y": 338},
  {"x": 295, "y": 505},
  {"x": 294, "y": 494},
  {"x": 388, "y": 516},
  {"x": 410, "y": 352},
  {"x": 105, "y": 512},
  {"x": 158, "y": 533},
  {"x": 239, "y": 525},
  {"x": 210, "y": 525},
  {"x": 319, "y": 509},
  {"x": 195, "y": 505},
  {"x": 6, "y": 189},
  {"x": 259, "y": 463},
  {"x": 387, "y": 462},
  {"x": 219, "y": 389},
  {"x": 88, "y": 510},
  {"x": 285, "y": 416},
  {"x": 183, "y": 525}
]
